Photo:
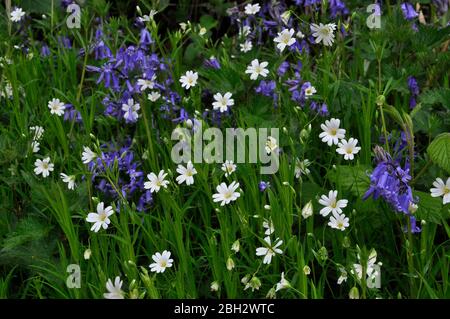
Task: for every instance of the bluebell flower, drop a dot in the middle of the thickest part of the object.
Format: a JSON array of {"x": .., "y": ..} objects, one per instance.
[
  {"x": 263, "y": 186},
  {"x": 283, "y": 68},
  {"x": 390, "y": 181},
  {"x": 414, "y": 89},
  {"x": 441, "y": 5},
  {"x": 45, "y": 51},
  {"x": 408, "y": 11},
  {"x": 337, "y": 7},
  {"x": 145, "y": 38},
  {"x": 212, "y": 63},
  {"x": 324, "y": 110},
  {"x": 71, "y": 114},
  {"x": 414, "y": 228}
]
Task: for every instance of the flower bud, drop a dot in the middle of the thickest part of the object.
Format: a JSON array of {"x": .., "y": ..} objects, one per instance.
[{"x": 307, "y": 210}]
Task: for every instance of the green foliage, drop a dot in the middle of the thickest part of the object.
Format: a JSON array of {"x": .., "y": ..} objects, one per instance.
[{"x": 439, "y": 151}]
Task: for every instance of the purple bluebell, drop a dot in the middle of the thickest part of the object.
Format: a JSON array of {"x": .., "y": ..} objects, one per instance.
[
  {"x": 337, "y": 7},
  {"x": 408, "y": 11},
  {"x": 414, "y": 228},
  {"x": 212, "y": 63},
  {"x": 145, "y": 38},
  {"x": 414, "y": 89},
  {"x": 108, "y": 73},
  {"x": 283, "y": 68},
  {"x": 441, "y": 5},
  {"x": 390, "y": 181},
  {"x": 65, "y": 42},
  {"x": 263, "y": 186},
  {"x": 324, "y": 110},
  {"x": 71, "y": 114},
  {"x": 45, "y": 51}
]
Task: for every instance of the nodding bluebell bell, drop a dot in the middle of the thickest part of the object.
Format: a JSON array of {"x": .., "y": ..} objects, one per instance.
[
  {"x": 263, "y": 186},
  {"x": 390, "y": 181},
  {"x": 414, "y": 89},
  {"x": 408, "y": 11}
]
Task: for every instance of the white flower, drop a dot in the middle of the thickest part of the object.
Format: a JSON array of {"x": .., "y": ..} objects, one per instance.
[
  {"x": 8, "y": 90},
  {"x": 300, "y": 35},
  {"x": 244, "y": 31},
  {"x": 100, "y": 219},
  {"x": 131, "y": 110},
  {"x": 228, "y": 167},
  {"x": 147, "y": 18},
  {"x": 43, "y": 167},
  {"x": 271, "y": 145},
  {"x": 253, "y": 283},
  {"x": 87, "y": 254},
  {"x": 371, "y": 270},
  {"x": 441, "y": 189},
  {"x": 225, "y": 194},
  {"x": 222, "y": 102},
  {"x": 56, "y": 107},
  {"x": 285, "y": 38},
  {"x": 283, "y": 283},
  {"x": 252, "y": 9},
  {"x": 202, "y": 31},
  {"x": 307, "y": 210},
  {"x": 35, "y": 146},
  {"x": 156, "y": 182},
  {"x": 310, "y": 91},
  {"x": 348, "y": 149},
  {"x": 255, "y": 69},
  {"x": 214, "y": 286},
  {"x": 147, "y": 84},
  {"x": 230, "y": 264},
  {"x": 413, "y": 207},
  {"x": 161, "y": 262},
  {"x": 114, "y": 290},
  {"x": 186, "y": 174},
  {"x": 17, "y": 14},
  {"x": 323, "y": 33},
  {"x": 236, "y": 246},
  {"x": 246, "y": 46},
  {"x": 87, "y": 156},
  {"x": 268, "y": 226},
  {"x": 270, "y": 251},
  {"x": 338, "y": 221},
  {"x": 69, "y": 180},
  {"x": 301, "y": 167},
  {"x": 189, "y": 79},
  {"x": 285, "y": 16},
  {"x": 343, "y": 276},
  {"x": 331, "y": 204},
  {"x": 306, "y": 270},
  {"x": 331, "y": 132},
  {"x": 153, "y": 96},
  {"x": 37, "y": 132}
]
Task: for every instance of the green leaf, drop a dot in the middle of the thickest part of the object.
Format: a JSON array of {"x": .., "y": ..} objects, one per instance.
[
  {"x": 436, "y": 96},
  {"x": 42, "y": 6},
  {"x": 439, "y": 151},
  {"x": 429, "y": 207},
  {"x": 351, "y": 178},
  {"x": 208, "y": 22}
]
